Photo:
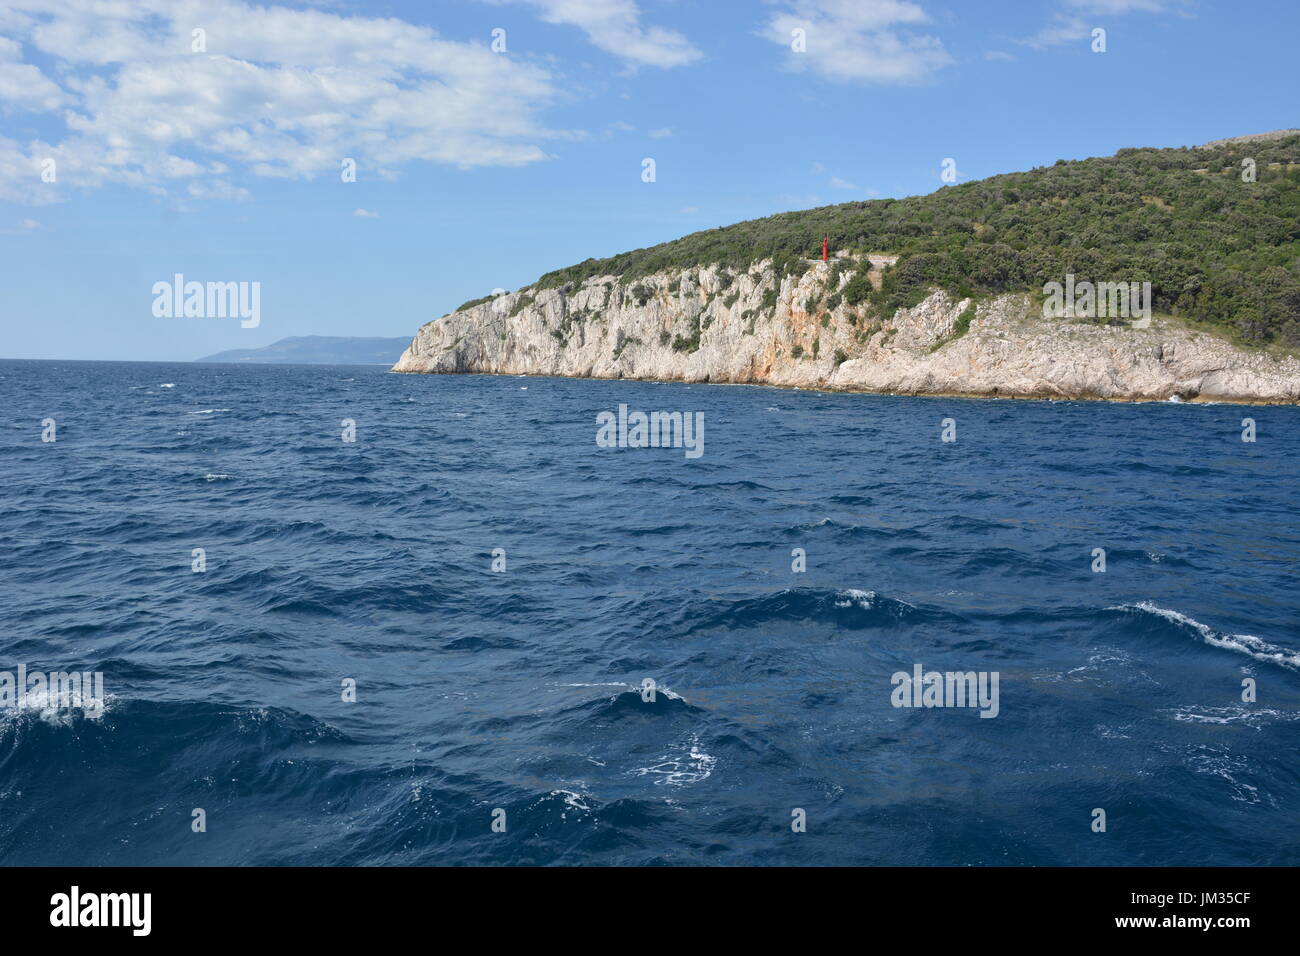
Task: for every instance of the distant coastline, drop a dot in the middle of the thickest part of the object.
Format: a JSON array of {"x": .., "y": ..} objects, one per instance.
[{"x": 318, "y": 350}]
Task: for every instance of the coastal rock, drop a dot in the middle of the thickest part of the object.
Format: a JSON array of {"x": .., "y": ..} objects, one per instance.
[{"x": 713, "y": 325}]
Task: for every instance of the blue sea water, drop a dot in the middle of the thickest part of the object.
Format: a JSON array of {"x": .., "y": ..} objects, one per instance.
[{"x": 521, "y": 690}]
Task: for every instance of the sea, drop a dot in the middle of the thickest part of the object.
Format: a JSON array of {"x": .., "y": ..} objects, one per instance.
[{"x": 349, "y": 617}]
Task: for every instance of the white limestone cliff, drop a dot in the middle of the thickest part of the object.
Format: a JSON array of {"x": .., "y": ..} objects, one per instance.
[{"x": 709, "y": 324}]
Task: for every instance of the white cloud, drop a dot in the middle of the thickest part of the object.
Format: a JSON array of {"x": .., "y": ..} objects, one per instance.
[
  {"x": 999, "y": 55},
  {"x": 1076, "y": 20},
  {"x": 218, "y": 189},
  {"x": 29, "y": 224},
  {"x": 1062, "y": 29},
  {"x": 662, "y": 133},
  {"x": 22, "y": 85},
  {"x": 1104, "y": 7},
  {"x": 280, "y": 92},
  {"x": 837, "y": 183},
  {"x": 365, "y": 214},
  {"x": 870, "y": 41},
  {"x": 615, "y": 27}
]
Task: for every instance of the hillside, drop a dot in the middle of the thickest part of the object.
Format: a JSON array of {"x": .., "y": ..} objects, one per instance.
[
  {"x": 318, "y": 350},
  {"x": 1214, "y": 248},
  {"x": 945, "y": 293}
]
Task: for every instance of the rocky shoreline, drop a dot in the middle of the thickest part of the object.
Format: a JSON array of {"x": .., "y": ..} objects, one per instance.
[{"x": 709, "y": 325}]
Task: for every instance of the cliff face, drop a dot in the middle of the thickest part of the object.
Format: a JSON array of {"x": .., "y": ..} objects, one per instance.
[{"x": 708, "y": 325}]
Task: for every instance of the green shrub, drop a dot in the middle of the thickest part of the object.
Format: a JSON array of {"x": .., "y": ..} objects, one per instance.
[
  {"x": 689, "y": 343},
  {"x": 523, "y": 302},
  {"x": 857, "y": 289},
  {"x": 473, "y": 302}
]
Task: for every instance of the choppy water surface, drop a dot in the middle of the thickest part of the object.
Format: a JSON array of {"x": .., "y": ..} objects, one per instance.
[{"x": 520, "y": 690}]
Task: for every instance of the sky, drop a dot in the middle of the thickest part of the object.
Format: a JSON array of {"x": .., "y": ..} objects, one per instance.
[{"x": 495, "y": 140}]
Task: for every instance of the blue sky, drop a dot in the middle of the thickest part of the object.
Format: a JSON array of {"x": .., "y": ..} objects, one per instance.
[{"x": 479, "y": 169}]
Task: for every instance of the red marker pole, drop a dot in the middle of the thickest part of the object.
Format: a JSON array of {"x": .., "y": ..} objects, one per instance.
[{"x": 825, "y": 251}]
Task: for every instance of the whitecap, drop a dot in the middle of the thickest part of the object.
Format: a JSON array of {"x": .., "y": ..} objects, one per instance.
[
  {"x": 38, "y": 705},
  {"x": 1231, "y": 715},
  {"x": 573, "y": 799},
  {"x": 1248, "y": 644},
  {"x": 851, "y": 596}
]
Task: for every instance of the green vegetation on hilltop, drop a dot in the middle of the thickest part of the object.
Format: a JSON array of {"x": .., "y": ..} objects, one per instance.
[{"x": 1216, "y": 249}]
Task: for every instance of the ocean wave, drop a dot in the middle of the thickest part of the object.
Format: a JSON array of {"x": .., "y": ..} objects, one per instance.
[
  {"x": 521, "y": 690},
  {"x": 630, "y": 702},
  {"x": 1247, "y": 644},
  {"x": 1251, "y": 716},
  {"x": 686, "y": 764},
  {"x": 37, "y": 706},
  {"x": 850, "y": 608}
]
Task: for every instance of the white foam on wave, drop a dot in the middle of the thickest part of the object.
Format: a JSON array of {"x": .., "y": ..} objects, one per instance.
[
  {"x": 209, "y": 411},
  {"x": 851, "y": 596},
  {"x": 217, "y": 477},
  {"x": 1248, "y": 644},
  {"x": 166, "y": 385},
  {"x": 38, "y": 706},
  {"x": 630, "y": 688},
  {"x": 678, "y": 770},
  {"x": 1232, "y": 715},
  {"x": 1229, "y": 767},
  {"x": 573, "y": 800},
  {"x": 866, "y": 600}
]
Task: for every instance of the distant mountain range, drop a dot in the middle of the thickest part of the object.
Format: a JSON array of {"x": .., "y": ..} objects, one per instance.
[{"x": 319, "y": 350}]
